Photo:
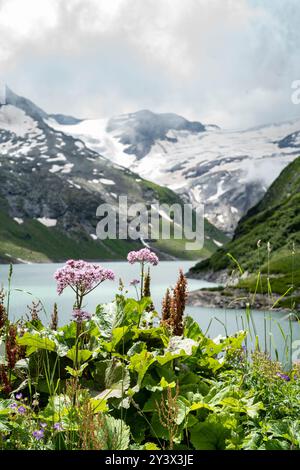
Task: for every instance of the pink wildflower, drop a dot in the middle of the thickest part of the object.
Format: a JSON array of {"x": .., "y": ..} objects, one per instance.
[
  {"x": 81, "y": 276},
  {"x": 79, "y": 315},
  {"x": 142, "y": 256}
]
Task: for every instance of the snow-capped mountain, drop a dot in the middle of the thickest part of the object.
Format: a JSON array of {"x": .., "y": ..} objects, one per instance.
[
  {"x": 53, "y": 177},
  {"x": 227, "y": 171},
  {"x": 58, "y": 180}
]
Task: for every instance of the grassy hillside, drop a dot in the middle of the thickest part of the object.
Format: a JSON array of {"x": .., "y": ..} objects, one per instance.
[
  {"x": 33, "y": 242},
  {"x": 276, "y": 219}
]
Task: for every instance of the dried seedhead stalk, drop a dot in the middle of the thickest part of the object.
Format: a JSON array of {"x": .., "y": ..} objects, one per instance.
[
  {"x": 5, "y": 385},
  {"x": 166, "y": 309},
  {"x": 147, "y": 291},
  {"x": 11, "y": 347},
  {"x": 168, "y": 412},
  {"x": 174, "y": 306},
  {"x": 34, "y": 309},
  {"x": 89, "y": 426},
  {"x": 54, "y": 318},
  {"x": 21, "y": 332},
  {"x": 3, "y": 313}
]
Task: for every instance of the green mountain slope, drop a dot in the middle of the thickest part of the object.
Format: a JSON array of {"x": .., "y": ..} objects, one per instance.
[
  {"x": 32, "y": 241},
  {"x": 275, "y": 220}
]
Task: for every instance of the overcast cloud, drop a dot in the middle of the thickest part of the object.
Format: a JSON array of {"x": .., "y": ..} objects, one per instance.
[{"x": 227, "y": 62}]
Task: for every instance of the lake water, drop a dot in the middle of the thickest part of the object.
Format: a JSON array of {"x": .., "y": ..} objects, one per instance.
[{"x": 35, "y": 282}]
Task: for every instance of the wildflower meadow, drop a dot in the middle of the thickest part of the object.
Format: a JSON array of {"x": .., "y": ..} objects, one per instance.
[{"x": 131, "y": 375}]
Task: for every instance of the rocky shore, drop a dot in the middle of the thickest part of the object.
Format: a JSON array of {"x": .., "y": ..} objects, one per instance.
[{"x": 229, "y": 298}]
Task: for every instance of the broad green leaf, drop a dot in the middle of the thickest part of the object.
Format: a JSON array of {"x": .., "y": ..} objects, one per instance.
[
  {"x": 168, "y": 356},
  {"x": 112, "y": 378},
  {"x": 202, "y": 405},
  {"x": 134, "y": 309},
  {"x": 98, "y": 406},
  {"x": 113, "y": 434},
  {"x": 275, "y": 444},
  {"x": 108, "y": 317},
  {"x": 183, "y": 410},
  {"x": 83, "y": 355},
  {"x": 209, "y": 435},
  {"x": 140, "y": 363},
  {"x": 58, "y": 406},
  {"x": 35, "y": 342},
  {"x": 136, "y": 348},
  {"x": 192, "y": 329}
]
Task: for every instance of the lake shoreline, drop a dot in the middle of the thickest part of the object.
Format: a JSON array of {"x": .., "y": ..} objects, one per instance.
[
  {"x": 14, "y": 261},
  {"x": 231, "y": 299}
]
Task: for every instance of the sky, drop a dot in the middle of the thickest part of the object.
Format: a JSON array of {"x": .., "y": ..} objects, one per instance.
[{"x": 225, "y": 62}]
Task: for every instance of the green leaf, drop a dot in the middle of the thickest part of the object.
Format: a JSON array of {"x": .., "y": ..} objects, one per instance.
[
  {"x": 168, "y": 356},
  {"x": 140, "y": 363},
  {"x": 134, "y": 309},
  {"x": 202, "y": 405},
  {"x": 165, "y": 384},
  {"x": 136, "y": 348},
  {"x": 33, "y": 342},
  {"x": 57, "y": 406},
  {"x": 108, "y": 317},
  {"x": 183, "y": 410},
  {"x": 70, "y": 331},
  {"x": 83, "y": 355},
  {"x": 98, "y": 406},
  {"x": 209, "y": 435},
  {"x": 275, "y": 444},
  {"x": 151, "y": 446},
  {"x": 192, "y": 329},
  {"x": 113, "y": 434},
  {"x": 112, "y": 377},
  {"x": 153, "y": 402},
  {"x": 74, "y": 372}
]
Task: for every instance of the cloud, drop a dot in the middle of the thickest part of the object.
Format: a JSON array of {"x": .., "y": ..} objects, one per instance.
[{"x": 228, "y": 62}]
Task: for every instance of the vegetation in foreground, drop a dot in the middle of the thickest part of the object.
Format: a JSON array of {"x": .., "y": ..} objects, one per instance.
[{"x": 117, "y": 379}]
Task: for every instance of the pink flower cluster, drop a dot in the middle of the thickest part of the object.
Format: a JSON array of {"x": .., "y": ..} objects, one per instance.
[
  {"x": 79, "y": 315},
  {"x": 142, "y": 256},
  {"x": 81, "y": 276}
]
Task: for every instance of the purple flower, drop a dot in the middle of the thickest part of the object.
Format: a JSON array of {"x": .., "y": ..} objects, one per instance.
[
  {"x": 142, "y": 256},
  {"x": 58, "y": 427},
  {"x": 79, "y": 315},
  {"x": 38, "y": 434},
  {"x": 81, "y": 276},
  {"x": 21, "y": 410},
  {"x": 13, "y": 406},
  {"x": 283, "y": 376},
  {"x": 19, "y": 396},
  {"x": 134, "y": 282},
  {"x": 43, "y": 425}
]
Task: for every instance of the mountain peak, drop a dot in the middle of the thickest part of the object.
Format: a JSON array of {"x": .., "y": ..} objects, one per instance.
[
  {"x": 140, "y": 130},
  {"x": 25, "y": 104}
]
